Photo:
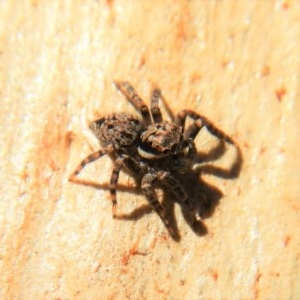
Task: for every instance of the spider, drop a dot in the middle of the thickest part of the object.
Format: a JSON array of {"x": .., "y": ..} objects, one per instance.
[{"x": 151, "y": 150}]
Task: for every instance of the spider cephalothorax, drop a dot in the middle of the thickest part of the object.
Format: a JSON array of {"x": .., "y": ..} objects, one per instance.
[
  {"x": 160, "y": 140},
  {"x": 151, "y": 150}
]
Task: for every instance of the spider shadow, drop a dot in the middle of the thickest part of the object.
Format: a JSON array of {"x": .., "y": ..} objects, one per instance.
[{"x": 204, "y": 196}]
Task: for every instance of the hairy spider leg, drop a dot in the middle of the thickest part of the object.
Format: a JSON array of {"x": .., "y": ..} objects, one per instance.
[
  {"x": 155, "y": 110},
  {"x": 191, "y": 132},
  {"x": 149, "y": 192},
  {"x": 199, "y": 122},
  {"x": 121, "y": 161},
  {"x": 129, "y": 92},
  {"x": 167, "y": 107},
  {"x": 173, "y": 184},
  {"x": 92, "y": 157}
]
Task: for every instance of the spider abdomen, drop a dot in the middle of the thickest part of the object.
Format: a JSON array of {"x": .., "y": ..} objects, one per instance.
[{"x": 118, "y": 130}]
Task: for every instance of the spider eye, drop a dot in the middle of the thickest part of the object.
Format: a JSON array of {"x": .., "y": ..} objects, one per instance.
[
  {"x": 99, "y": 122},
  {"x": 95, "y": 126}
]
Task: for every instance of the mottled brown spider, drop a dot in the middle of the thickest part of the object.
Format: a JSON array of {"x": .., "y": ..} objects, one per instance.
[{"x": 151, "y": 150}]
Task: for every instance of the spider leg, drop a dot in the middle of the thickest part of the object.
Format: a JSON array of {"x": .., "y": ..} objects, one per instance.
[
  {"x": 128, "y": 91},
  {"x": 199, "y": 122},
  {"x": 174, "y": 185},
  {"x": 121, "y": 161},
  {"x": 149, "y": 192},
  {"x": 155, "y": 110},
  {"x": 92, "y": 157},
  {"x": 160, "y": 98}
]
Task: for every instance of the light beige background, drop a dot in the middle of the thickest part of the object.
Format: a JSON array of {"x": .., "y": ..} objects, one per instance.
[{"x": 237, "y": 62}]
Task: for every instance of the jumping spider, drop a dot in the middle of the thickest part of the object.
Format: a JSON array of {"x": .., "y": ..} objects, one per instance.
[{"x": 151, "y": 150}]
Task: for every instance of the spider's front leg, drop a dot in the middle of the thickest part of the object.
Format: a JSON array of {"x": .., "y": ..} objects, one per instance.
[
  {"x": 121, "y": 161},
  {"x": 172, "y": 184},
  {"x": 199, "y": 121},
  {"x": 149, "y": 191}
]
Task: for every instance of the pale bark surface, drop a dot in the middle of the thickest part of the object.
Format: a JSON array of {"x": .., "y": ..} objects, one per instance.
[{"x": 236, "y": 62}]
